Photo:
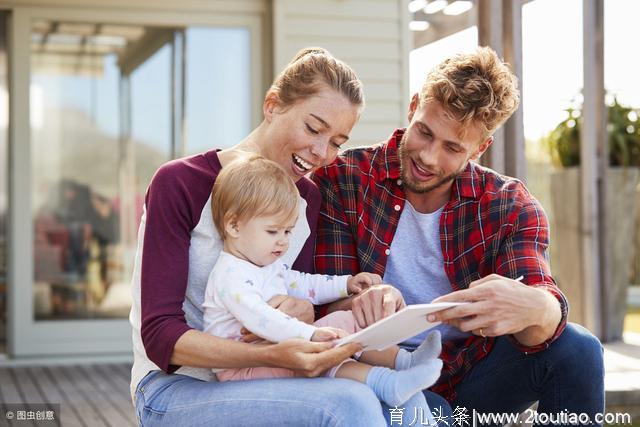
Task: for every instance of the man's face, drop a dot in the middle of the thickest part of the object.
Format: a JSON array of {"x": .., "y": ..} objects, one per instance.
[{"x": 432, "y": 153}]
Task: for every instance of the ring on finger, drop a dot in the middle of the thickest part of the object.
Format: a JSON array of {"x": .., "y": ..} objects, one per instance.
[{"x": 482, "y": 333}]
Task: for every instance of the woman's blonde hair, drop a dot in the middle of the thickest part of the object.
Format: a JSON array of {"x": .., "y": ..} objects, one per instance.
[
  {"x": 311, "y": 68},
  {"x": 474, "y": 88},
  {"x": 251, "y": 187}
]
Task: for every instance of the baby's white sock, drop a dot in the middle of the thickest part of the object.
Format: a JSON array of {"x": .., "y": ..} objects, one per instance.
[
  {"x": 429, "y": 349},
  {"x": 396, "y": 387}
]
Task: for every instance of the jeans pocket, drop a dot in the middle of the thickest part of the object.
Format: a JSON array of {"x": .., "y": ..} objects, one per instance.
[
  {"x": 147, "y": 380},
  {"x": 152, "y": 394},
  {"x": 139, "y": 402},
  {"x": 144, "y": 390}
]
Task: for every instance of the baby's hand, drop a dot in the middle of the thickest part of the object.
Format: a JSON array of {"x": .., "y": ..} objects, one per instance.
[
  {"x": 328, "y": 334},
  {"x": 362, "y": 281}
]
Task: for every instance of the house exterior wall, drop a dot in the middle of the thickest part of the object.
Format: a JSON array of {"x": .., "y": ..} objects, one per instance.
[{"x": 371, "y": 36}]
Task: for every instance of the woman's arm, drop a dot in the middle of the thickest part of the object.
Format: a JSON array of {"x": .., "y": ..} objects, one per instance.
[{"x": 195, "y": 348}]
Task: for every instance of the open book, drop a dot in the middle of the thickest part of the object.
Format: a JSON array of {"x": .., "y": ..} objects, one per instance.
[{"x": 398, "y": 327}]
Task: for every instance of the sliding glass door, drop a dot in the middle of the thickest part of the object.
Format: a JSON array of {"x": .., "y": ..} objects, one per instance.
[{"x": 106, "y": 102}]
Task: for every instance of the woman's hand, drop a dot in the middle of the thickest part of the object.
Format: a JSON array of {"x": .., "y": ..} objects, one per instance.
[
  {"x": 309, "y": 359},
  {"x": 375, "y": 303},
  {"x": 299, "y": 308}
]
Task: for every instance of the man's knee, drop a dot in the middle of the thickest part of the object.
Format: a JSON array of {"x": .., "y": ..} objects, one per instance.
[
  {"x": 578, "y": 341},
  {"x": 439, "y": 406}
]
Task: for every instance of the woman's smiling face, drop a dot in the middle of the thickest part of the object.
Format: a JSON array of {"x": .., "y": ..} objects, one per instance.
[{"x": 308, "y": 134}]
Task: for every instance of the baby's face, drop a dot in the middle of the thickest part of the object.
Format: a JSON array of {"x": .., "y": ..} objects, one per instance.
[{"x": 262, "y": 240}]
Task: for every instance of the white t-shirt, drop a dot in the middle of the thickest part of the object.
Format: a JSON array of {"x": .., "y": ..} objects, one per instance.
[{"x": 237, "y": 293}]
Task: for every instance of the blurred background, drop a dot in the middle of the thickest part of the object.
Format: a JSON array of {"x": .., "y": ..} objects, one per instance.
[{"x": 96, "y": 94}]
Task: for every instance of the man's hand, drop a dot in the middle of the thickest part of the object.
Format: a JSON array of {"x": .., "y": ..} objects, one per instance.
[
  {"x": 362, "y": 281},
  {"x": 375, "y": 303},
  {"x": 500, "y": 306},
  {"x": 294, "y": 307},
  {"x": 309, "y": 359}
]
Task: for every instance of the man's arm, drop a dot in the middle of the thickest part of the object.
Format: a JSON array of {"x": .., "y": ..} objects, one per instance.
[
  {"x": 545, "y": 322},
  {"x": 524, "y": 252},
  {"x": 502, "y": 306},
  {"x": 534, "y": 312}
]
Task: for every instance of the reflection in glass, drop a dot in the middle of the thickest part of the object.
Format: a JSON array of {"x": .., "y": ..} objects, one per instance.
[
  {"x": 82, "y": 263},
  {"x": 108, "y": 106},
  {"x": 74, "y": 131},
  {"x": 218, "y": 87}
]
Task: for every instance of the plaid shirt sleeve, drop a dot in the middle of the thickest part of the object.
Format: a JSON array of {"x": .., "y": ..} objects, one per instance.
[
  {"x": 524, "y": 252},
  {"x": 336, "y": 250}
]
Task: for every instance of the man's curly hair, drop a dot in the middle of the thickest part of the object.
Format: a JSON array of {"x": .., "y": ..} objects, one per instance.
[{"x": 474, "y": 88}]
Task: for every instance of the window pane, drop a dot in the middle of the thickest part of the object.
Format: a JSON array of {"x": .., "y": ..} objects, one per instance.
[
  {"x": 89, "y": 171},
  {"x": 151, "y": 115},
  {"x": 102, "y": 108},
  {"x": 218, "y": 87}
]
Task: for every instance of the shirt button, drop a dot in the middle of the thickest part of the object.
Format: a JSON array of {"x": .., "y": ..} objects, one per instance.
[
  {"x": 397, "y": 208},
  {"x": 387, "y": 251},
  {"x": 399, "y": 182}
]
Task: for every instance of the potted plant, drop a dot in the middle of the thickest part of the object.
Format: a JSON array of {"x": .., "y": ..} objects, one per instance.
[{"x": 621, "y": 202}]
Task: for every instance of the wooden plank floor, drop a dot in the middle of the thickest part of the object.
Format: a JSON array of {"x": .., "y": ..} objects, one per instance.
[
  {"x": 98, "y": 394},
  {"x": 88, "y": 395}
]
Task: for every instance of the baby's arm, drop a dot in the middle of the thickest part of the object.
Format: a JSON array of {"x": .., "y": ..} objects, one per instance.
[
  {"x": 316, "y": 288},
  {"x": 322, "y": 289},
  {"x": 273, "y": 325},
  {"x": 245, "y": 302}
]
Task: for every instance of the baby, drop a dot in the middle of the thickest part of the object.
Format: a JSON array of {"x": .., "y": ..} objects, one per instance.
[{"x": 255, "y": 206}]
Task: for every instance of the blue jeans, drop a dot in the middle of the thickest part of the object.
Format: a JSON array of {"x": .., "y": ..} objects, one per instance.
[
  {"x": 568, "y": 376},
  {"x": 178, "y": 400}
]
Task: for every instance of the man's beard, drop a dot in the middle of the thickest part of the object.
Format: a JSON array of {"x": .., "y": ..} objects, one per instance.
[{"x": 407, "y": 179}]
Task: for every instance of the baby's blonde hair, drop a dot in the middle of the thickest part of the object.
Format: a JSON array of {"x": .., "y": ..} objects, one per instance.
[{"x": 252, "y": 187}]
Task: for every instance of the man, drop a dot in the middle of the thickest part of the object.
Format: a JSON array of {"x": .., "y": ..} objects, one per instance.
[{"x": 419, "y": 211}]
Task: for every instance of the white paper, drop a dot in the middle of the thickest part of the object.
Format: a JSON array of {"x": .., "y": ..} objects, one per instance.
[{"x": 400, "y": 326}]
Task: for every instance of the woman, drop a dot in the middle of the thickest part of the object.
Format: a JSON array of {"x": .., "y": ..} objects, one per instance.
[{"x": 309, "y": 112}]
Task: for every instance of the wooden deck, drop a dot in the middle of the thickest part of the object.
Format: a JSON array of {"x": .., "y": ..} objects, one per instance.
[
  {"x": 97, "y": 395},
  {"x": 89, "y": 395}
]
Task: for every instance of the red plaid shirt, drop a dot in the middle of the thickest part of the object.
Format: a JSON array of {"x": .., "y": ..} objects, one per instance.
[{"x": 491, "y": 224}]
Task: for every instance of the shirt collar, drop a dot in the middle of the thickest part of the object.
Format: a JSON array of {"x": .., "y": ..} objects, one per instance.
[{"x": 469, "y": 184}]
